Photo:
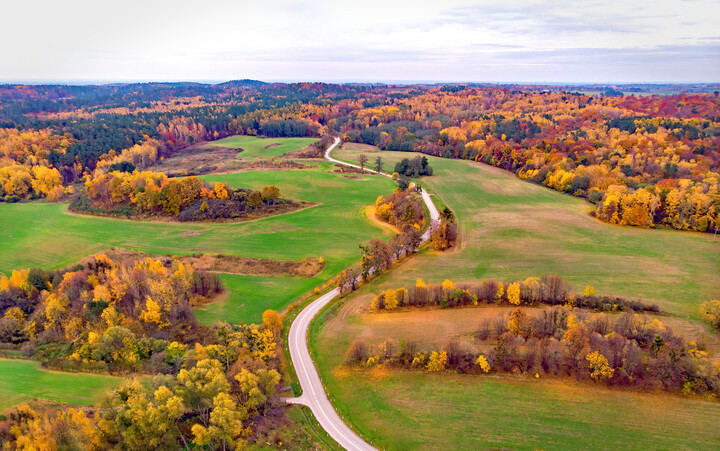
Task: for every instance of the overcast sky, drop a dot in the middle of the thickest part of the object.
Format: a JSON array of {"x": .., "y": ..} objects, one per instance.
[{"x": 362, "y": 40}]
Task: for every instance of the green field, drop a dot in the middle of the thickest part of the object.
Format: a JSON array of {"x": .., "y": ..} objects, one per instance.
[
  {"x": 419, "y": 411},
  {"x": 45, "y": 235},
  {"x": 510, "y": 229},
  {"x": 23, "y": 380},
  {"x": 350, "y": 152},
  {"x": 249, "y": 296},
  {"x": 255, "y": 148}
]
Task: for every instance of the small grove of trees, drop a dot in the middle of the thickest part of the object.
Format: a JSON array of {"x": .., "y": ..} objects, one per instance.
[
  {"x": 414, "y": 167},
  {"x": 188, "y": 199},
  {"x": 208, "y": 403},
  {"x": 680, "y": 204},
  {"x": 631, "y": 350},
  {"x": 403, "y": 209},
  {"x": 25, "y": 182},
  {"x": 213, "y": 385},
  {"x": 548, "y": 290},
  {"x": 444, "y": 236}
]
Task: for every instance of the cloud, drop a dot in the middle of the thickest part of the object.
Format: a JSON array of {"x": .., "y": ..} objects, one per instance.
[{"x": 454, "y": 40}]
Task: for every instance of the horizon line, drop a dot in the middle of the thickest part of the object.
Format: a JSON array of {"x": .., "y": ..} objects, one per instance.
[{"x": 210, "y": 82}]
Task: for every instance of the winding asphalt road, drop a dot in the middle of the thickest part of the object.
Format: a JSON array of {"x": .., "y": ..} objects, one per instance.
[{"x": 314, "y": 395}]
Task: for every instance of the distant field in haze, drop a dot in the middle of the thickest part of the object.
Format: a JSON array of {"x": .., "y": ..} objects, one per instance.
[{"x": 23, "y": 380}]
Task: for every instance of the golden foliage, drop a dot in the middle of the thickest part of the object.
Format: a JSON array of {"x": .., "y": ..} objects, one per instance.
[
  {"x": 483, "y": 363},
  {"x": 437, "y": 362}
]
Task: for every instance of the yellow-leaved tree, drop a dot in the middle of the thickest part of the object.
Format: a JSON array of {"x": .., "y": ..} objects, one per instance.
[
  {"x": 272, "y": 320},
  {"x": 500, "y": 291},
  {"x": 437, "y": 362},
  {"x": 513, "y": 293},
  {"x": 153, "y": 314},
  {"x": 600, "y": 369},
  {"x": 391, "y": 300},
  {"x": 448, "y": 286},
  {"x": 519, "y": 323},
  {"x": 225, "y": 429},
  {"x": 483, "y": 363}
]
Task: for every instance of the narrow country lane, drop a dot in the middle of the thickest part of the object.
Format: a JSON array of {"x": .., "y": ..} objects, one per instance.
[{"x": 314, "y": 395}]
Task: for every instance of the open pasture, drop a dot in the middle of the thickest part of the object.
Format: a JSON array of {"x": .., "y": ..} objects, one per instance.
[
  {"x": 262, "y": 148},
  {"x": 510, "y": 230},
  {"x": 46, "y": 235},
  {"x": 23, "y": 380}
]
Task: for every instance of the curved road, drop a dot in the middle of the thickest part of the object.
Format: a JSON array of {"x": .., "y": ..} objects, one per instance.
[{"x": 314, "y": 395}]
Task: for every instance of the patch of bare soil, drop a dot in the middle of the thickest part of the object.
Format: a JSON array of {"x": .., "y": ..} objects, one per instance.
[
  {"x": 342, "y": 169},
  {"x": 269, "y": 165},
  {"x": 199, "y": 159},
  {"x": 270, "y": 146},
  {"x": 229, "y": 264},
  {"x": 305, "y": 152},
  {"x": 358, "y": 146}
]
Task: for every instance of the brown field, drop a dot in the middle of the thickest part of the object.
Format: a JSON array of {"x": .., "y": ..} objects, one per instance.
[
  {"x": 434, "y": 327},
  {"x": 359, "y": 147},
  {"x": 202, "y": 158},
  {"x": 228, "y": 264}
]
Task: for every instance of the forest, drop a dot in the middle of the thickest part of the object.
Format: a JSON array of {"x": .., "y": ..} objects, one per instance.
[
  {"x": 646, "y": 161},
  {"x": 210, "y": 385}
]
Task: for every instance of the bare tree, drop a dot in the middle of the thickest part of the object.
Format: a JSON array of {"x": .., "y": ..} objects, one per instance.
[{"x": 362, "y": 159}]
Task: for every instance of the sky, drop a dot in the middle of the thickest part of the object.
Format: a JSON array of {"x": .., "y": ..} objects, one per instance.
[{"x": 561, "y": 41}]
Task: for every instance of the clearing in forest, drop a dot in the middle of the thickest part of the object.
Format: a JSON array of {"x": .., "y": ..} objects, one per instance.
[
  {"x": 262, "y": 148},
  {"x": 23, "y": 380}
]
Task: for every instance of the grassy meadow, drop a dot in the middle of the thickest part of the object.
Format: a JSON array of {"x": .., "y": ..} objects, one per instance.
[
  {"x": 510, "y": 230},
  {"x": 23, "y": 380},
  {"x": 241, "y": 301},
  {"x": 255, "y": 148},
  {"x": 403, "y": 410},
  {"x": 46, "y": 235},
  {"x": 350, "y": 152}
]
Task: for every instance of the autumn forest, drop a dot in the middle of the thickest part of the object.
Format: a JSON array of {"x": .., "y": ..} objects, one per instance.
[{"x": 209, "y": 216}]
